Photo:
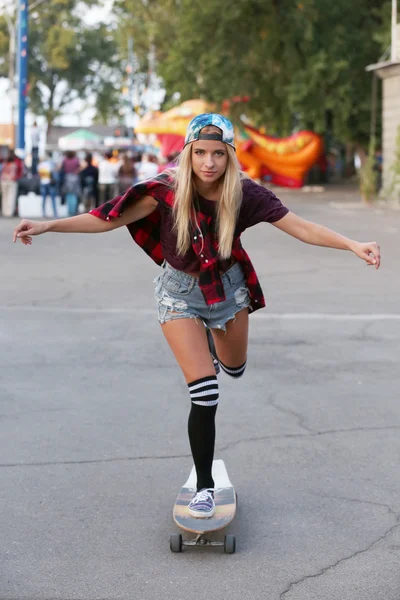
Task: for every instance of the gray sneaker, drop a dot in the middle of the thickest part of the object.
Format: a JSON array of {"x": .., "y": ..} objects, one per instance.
[
  {"x": 202, "y": 506},
  {"x": 213, "y": 352}
]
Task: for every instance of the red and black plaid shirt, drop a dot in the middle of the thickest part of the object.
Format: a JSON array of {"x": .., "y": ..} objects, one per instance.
[{"x": 146, "y": 233}]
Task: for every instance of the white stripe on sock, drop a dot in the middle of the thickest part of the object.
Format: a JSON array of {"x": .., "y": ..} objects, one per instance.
[
  {"x": 204, "y": 393},
  {"x": 237, "y": 370},
  {"x": 211, "y": 381},
  {"x": 203, "y": 403}
]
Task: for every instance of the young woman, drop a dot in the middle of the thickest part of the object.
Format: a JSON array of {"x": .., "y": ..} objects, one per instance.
[{"x": 189, "y": 220}]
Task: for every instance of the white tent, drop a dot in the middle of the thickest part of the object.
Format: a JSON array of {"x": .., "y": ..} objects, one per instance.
[{"x": 81, "y": 139}]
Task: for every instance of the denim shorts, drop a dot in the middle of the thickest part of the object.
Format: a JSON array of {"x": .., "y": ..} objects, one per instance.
[{"x": 178, "y": 296}]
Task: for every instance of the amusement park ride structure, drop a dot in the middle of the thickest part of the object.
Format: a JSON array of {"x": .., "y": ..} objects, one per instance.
[{"x": 284, "y": 161}]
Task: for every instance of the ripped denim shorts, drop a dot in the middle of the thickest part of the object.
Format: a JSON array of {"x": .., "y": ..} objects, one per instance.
[{"x": 179, "y": 296}]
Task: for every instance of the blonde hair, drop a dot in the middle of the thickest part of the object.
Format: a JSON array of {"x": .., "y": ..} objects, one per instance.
[{"x": 228, "y": 205}]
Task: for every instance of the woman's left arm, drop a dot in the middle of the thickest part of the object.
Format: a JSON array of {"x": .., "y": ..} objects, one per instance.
[{"x": 318, "y": 235}]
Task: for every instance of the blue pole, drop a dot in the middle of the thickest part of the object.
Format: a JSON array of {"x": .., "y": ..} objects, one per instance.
[{"x": 22, "y": 69}]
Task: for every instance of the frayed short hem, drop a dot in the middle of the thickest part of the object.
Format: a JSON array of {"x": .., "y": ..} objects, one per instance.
[
  {"x": 174, "y": 317},
  {"x": 222, "y": 326}
]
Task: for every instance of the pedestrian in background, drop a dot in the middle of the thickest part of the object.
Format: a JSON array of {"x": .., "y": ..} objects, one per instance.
[
  {"x": 147, "y": 168},
  {"x": 46, "y": 169},
  {"x": 70, "y": 168},
  {"x": 11, "y": 172},
  {"x": 89, "y": 178},
  {"x": 126, "y": 174},
  {"x": 108, "y": 177},
  {"x": 35, "y": 142}
]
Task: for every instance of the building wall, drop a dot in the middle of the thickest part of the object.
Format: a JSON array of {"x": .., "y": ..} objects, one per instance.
[
  {"x": 391, "y": 121},
  {"x": 6, "y": 135}
]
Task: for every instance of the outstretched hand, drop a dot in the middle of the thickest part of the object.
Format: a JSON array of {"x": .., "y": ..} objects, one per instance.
[
  {"x": 370, "y": 252},
  {"x": 26, "y": 229}
]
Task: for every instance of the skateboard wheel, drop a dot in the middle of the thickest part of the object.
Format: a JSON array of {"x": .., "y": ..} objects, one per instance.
[
  {"x": 175, "y": 542},
  {"x": 230, "y": 544}
]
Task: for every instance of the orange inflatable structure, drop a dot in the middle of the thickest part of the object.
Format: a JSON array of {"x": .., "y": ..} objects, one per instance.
[{"x": 284, "y": 161}]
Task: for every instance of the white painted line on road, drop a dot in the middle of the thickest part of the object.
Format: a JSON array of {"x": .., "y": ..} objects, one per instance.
[
  {"x": 329, "y": 316},
  {"x": 262, "y": 316}
]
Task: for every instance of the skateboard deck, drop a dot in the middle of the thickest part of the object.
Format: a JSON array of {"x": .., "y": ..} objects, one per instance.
[{"x": 224, "y": 498}]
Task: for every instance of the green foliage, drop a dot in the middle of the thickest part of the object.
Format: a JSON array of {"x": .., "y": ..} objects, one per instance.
[
  {"x": 68, "y": 60},
  {"x": 3, "y": 48},
  {"x": 8, "y": 19},
  {"x": 296, "y": 60},
  {"x": 342, "y": 44}
]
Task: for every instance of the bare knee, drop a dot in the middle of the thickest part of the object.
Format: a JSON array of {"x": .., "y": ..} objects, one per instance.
[{"x": 188, "y": 341}]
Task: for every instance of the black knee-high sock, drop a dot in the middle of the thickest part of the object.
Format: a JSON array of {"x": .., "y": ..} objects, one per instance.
[
  {"x": 234, "y": 372},
  {"x": 201, "y": 427}
]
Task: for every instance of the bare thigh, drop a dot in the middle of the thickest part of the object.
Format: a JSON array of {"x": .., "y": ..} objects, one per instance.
[
  {"x": 187, "y": 339},
  {"x": 231, "y": 346}
]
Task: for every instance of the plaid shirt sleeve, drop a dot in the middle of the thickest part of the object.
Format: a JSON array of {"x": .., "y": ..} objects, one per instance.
[
  {"x": 146, "y": 231},
  {"x": 159, "y": 188}
]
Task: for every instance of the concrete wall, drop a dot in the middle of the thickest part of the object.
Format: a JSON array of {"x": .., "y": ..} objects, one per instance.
[{"x": 390, "y": 118}]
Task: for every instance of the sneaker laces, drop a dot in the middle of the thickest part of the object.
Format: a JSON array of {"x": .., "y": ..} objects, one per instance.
[{"x": 202, "y": 496}]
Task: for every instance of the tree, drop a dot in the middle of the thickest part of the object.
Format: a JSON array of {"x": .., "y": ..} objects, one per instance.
[
  {"x": 209, "y": 49},
  {"x": 299, "y": 61},
  {"x": 342, "y": 44},
  {"x": 8, "y": 43},
  {"x": 67, "y": 60}
]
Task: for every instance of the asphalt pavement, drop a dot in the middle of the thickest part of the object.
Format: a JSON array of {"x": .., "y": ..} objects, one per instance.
[{"x": 93, "y": 413}]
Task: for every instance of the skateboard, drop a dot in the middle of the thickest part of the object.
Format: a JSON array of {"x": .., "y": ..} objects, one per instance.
[{"x": 225, "y": 509}]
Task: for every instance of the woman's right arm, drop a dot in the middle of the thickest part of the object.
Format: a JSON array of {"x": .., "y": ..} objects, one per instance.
[{"x": 85, "y": 223}]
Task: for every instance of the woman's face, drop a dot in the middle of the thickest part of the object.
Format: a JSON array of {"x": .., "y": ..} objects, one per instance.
[{"x": 209, "y": 158}]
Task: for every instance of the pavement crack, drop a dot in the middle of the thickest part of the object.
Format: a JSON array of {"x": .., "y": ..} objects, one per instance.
[
  {"x": 356, "y": 429},
  {"x": 304, "y": 435},
  {"x": 287, "y": 411},
  {"x": 363, "y": 335},
  {"x": 218, "y": 448},
  {"x": 358, "y": 500},
  {"x": 93, "y": 461},
  {"x": 292, "y": 584}
]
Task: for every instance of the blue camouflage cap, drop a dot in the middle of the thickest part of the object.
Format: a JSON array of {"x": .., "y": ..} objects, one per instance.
[{"x": 193, "y": 132}]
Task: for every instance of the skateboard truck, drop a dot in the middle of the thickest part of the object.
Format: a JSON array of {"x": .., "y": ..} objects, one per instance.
[{"x": 177, "y": 542}]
